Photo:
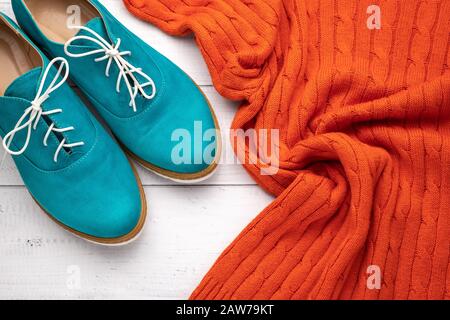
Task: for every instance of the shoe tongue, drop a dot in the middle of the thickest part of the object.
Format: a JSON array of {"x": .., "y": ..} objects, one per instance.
[
  {"x": 96, "y": 25},
  {"x": 25, "y": 86}
]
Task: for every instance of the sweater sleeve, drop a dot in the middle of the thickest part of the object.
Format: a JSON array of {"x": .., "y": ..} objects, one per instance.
[{"x": 232, "y": 36}]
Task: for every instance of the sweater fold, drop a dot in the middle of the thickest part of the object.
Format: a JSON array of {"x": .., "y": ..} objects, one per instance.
[{"x": 363, "y": 115}]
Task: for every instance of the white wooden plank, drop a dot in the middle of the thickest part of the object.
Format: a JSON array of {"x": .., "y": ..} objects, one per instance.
[
  {"x": 5, "y": 7},
  {"x": 180, "y": 243},
  {"x": 182, "y": 51}
]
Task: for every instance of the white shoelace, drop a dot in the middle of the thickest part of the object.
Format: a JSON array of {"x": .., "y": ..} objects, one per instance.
[
  {"x": 112, "y": 53},
  {"x": 35, "y": 112}
]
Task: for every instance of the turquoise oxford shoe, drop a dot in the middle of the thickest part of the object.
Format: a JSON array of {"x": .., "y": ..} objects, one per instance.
[
  {"x": 73, "y": 169},
  {"x": 158, "y": 114}
]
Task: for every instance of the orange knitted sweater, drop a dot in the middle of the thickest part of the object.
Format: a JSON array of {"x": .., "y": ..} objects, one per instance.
[{"x": 364, "y": 120}]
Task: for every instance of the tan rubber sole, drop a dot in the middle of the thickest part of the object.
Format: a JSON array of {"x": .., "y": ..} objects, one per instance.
[
  {"x": 185, "y": 177},
  {"x": 112, "y": 241}
]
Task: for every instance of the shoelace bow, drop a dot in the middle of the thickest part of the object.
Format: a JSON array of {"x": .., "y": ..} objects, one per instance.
[
  {"x": 35, "y": 112},
  {"x": 111, "y": 53}
]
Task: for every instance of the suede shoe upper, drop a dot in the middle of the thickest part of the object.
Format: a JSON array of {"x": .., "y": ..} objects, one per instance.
[{"x": 91, "y": 187}]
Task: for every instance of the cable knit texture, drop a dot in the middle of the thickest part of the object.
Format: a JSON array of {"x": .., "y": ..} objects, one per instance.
[{"x": 364, "y": 120}]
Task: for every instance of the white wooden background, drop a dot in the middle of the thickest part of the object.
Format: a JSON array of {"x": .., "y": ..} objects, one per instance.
[{"x": 188, "y": 226}]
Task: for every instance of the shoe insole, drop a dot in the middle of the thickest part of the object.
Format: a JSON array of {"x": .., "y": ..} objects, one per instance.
[
  {"x": 16, "y": 55},
  {"x": 55, "y": 16}
]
